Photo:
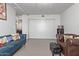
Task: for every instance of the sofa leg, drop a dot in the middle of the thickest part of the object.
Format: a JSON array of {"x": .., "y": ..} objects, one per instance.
[{"x": 25, "y": 45}]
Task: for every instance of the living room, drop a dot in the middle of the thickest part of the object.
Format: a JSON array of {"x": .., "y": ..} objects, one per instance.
[{"x": 39, "y": 23}]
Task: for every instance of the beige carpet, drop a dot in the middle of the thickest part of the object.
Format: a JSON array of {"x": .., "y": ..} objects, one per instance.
[{"x": 35, "y": 47}]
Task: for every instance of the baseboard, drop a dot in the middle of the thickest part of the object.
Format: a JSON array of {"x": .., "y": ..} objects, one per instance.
[{"x": 44, "y": 38}]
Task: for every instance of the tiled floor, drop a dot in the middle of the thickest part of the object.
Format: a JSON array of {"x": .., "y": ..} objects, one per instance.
[{"x": 35, "y": 47}]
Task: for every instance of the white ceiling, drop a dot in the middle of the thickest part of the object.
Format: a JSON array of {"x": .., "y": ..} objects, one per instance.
[{"x": 40, "y": 8}]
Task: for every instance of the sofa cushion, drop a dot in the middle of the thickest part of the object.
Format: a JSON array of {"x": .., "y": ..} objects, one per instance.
[{"x": 73, "y": 42}]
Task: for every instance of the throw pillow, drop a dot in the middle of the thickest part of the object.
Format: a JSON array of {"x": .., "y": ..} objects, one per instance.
[
  {"x": 15, "y": 37},
  {"x": 3, "y": 41},
  {"x": 76, "y": 37},
  {"x": 67, "y": 37},
  {"x": 1, "y": 45},
  {"x": 9, "y": 38}
]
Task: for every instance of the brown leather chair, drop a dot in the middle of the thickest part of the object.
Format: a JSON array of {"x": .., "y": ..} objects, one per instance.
[{"x": 70, "y": 47}]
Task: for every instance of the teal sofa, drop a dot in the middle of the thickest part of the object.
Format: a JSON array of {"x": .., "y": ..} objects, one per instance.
[{"x": 10, "y": 48}]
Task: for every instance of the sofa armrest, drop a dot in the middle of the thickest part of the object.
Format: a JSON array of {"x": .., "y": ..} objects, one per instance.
[
  {"x": 72, "y": 42},
  {"x": 63, "y": 44},
  {"x": 60, "y": 38},
  {"x": 23, "y": 36}
]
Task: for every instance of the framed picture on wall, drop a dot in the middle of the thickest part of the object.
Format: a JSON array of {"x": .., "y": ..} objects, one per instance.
[{"x": 3, "y": 15}]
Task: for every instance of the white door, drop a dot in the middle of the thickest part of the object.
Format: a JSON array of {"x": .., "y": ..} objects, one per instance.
[{"x": 41, "y": 28}]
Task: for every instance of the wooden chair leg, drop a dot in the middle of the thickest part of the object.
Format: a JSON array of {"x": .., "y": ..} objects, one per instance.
[{"x": 60, "y": 54}]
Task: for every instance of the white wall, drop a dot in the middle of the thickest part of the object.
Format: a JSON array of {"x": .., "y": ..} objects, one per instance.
[
  {"x": 8, "y": 26},
  {"x": 70, "y": 19},
  {"x": 36, "y": 26},
  {"x": 43, "y": 27}
]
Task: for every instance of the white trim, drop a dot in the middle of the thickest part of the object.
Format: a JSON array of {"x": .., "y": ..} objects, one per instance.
[{"x": 44, "y": 38}]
